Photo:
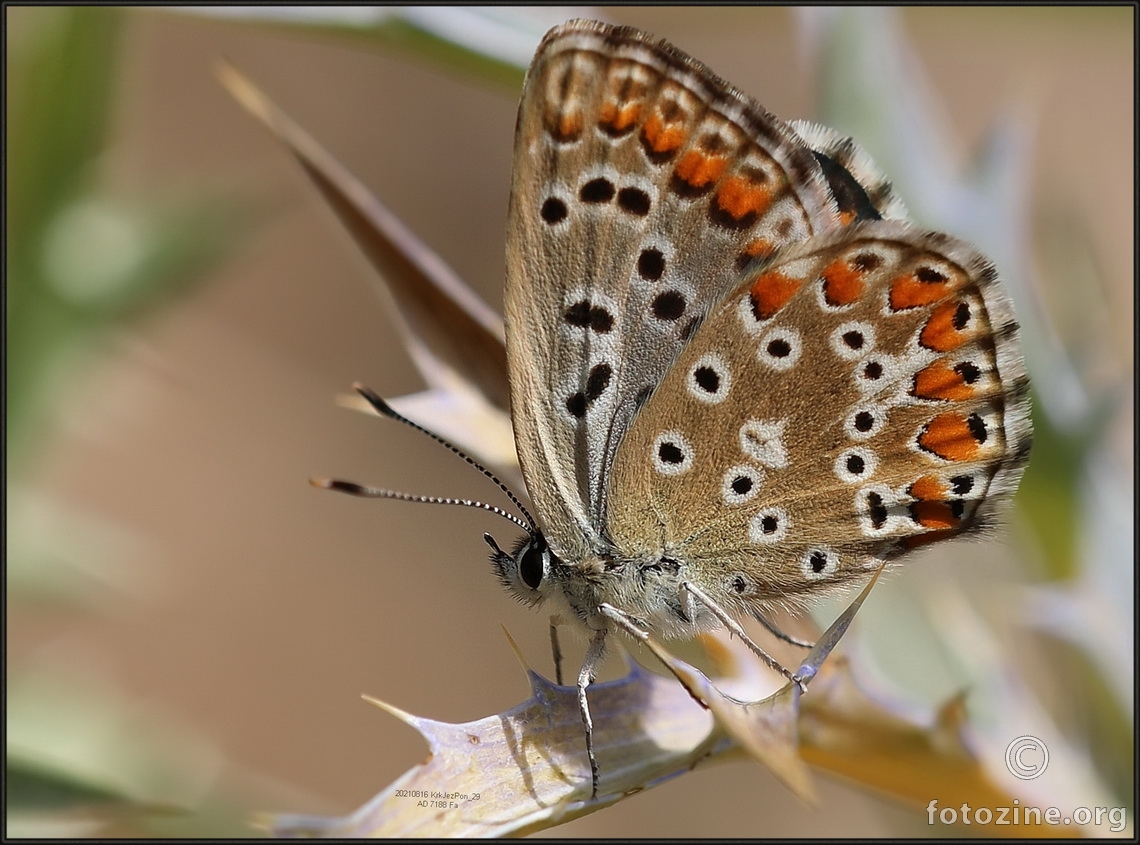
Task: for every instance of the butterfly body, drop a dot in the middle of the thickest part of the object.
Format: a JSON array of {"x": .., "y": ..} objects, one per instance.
[{"x": 647, "y": 588}]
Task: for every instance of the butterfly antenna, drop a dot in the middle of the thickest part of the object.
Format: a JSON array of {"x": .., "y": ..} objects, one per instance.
[
  {"x": 384, "y": 409},
  {"x": 354, "y": 489}
]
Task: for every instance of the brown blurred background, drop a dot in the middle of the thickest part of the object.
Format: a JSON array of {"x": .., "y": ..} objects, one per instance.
[{"x": 264, "y": 608}]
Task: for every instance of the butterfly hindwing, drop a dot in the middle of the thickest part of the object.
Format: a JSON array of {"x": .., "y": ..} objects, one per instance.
[{"x": 861, "y": 394}]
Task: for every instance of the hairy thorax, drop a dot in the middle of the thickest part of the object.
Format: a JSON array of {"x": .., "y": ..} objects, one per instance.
[{"x": 649, "y": 591}]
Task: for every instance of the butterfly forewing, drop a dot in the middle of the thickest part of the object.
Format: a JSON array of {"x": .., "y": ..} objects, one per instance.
[
  {"x": 860, "y": 189},
  {"x": 859, "y": 395},
  {"x": 642, "y": 186}
]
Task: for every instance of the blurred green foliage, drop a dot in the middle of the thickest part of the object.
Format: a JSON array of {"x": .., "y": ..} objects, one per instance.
[{"x": 80, "y": 261}]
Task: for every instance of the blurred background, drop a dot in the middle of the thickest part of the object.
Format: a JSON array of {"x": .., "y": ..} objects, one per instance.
[{"x": 190, "y": 625}]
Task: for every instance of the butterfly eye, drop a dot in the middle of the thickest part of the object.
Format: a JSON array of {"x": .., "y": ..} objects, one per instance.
[{"x": 532, "y": 566}]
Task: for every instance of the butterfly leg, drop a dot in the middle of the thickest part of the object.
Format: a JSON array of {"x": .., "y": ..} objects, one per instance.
[
  {"x": 735, "y": 628},
  {"x": 594, "y": 655},
  {"x": 555, "y": 648},
  {"x": 778, "y": 634},
  {"x": 625, "y": 621}
]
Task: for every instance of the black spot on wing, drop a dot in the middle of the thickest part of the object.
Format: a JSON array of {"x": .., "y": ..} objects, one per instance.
[{"x": 850, "y": 197}]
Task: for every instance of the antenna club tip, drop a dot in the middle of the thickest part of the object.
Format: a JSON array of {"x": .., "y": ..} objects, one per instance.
[
  {"x": 373, "y": 399},
  {"x": 321, "y": 483}
]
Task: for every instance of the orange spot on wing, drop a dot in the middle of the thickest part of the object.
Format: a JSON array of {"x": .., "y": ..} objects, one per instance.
[
  {"x": 910, "y": 292},
  {"x": 698, "y": 169},
  {"x": 949, "y": 437},
  {"x": 568, "y": 125},
  {"x": 929, "y": 488},
  {"x": 939, "y": 334},
  {"x": 939, "y": 381},
  {"x": 934, "y": 515},
  {"x": 771, "y": 292},
  {"x": 846, "y": 218},
  {"x": 842, "y": 283},
  {"x": 662, "y": 137},
  {"x": 619, "y": 117},
  {"x": 759, "y": 248},
  {"x": 740, "y": 197}
]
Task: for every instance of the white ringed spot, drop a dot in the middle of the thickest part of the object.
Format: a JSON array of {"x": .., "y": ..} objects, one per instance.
[
  {"x": 864, "y": 422},
  {"x": 771, "y": 525},
  {"x": 780, "y": 348},
  {"x": 709, "y": 379},
  {"x": 853, "y": 340},
  {"x": 872, "y": 504},
  {"x": 671, "y": 453},
  {"x": 741, "y": 483},
  {"x": 819, "y": 563},
  {"x": 855, "y": 465}
]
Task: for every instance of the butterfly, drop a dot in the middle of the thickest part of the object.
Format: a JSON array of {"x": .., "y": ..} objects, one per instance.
[{"x": 740, "y": 377}]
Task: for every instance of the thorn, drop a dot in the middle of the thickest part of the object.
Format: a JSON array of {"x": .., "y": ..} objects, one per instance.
[
  {"x": 403, "y": 716},
  {"x": 518, "y": 651}
]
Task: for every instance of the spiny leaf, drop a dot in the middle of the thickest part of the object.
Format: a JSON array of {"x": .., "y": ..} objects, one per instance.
[
  {"x": 766, "y": 728},
  {"x": 438, "y": 307},
  {"x": 526, "y": 769},
  {"x": 529, "y": 769}
]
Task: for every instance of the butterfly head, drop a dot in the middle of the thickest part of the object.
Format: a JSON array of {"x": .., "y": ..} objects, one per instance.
[
  {"x": 645, "y": 591},
  {"x": 527, "y": 570}
]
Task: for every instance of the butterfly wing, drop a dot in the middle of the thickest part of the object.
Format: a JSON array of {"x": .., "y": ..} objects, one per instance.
[
  {"x": 642, "y": 186},
  {"x": 860, "y": 189},
  {"x": 860, "y": 395}
]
